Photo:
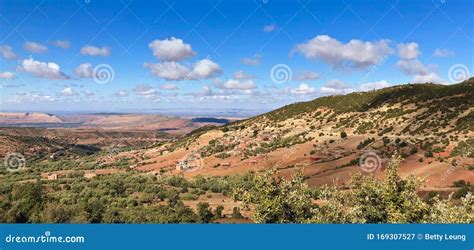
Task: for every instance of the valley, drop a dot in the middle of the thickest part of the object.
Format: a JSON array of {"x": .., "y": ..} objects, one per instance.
[{"x": 153, "y": 168}]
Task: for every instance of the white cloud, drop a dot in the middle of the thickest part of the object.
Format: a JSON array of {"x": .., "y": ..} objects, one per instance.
[
  {"x": 429, "y": 77},
  {"x": 7, "y": 75},
  {"x": 355, "y": 53},
  {"x": 269, "y": 28},
  {"x": 62, "y": 44},
  {"x": 68, "y": 91},
  {"x": 145, "y": 90},
  {"x": 241, "y": 75},
  {"x": 443, "y": 53},
  {"x": 408, "y": 51},
  {"x": 336, "y": 84},
  {"x": 7, "y": 52},
  {"x": 412, "y": 67},
  {"x": 35, "y": 47},
  {"x": 168, "y": 86},
  {"x": 205, "y": 69},
  {"x": 89, "y": 50},
  {"x": 374, "y": 85},
  {"x": 302, "y": 89},
  {"x": 206, "y": 91},
  {"x": 121, "y": 93},
  {"x": 170, "y": 52},
  {"x": 84, "y": 70},
  {"x": 48, "y": 70},
  {"x": 236, "y": 84},
  {"x": 33, "y": 97},
  {"x": 172, "y": 49},
  {"x": 307, "y": 75},
  {"x": 170, "y": 71},
  {"x": 335, "y": 87},
  {"x": 253, "y": 61}
]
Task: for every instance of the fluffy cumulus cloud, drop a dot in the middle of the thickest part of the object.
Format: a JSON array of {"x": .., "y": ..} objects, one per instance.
[
  {"x": 168, "y": 86},
  {"x": 173, "y": 49},
  {"x": 408, "y": 51},
  {"x": 48, "y": 70},
  {"x": 35, "y": 47},
  {"x": 205, "y": 69},
  {"x": 443, "y": 53},
  {"x": 89, "y": 50},
  {"x": 307, "y": 75},
  {"x": 84, "y": 70},
  {"x": 374, "y": 85},
  {"x": 171, "y": 71},
  {"x": 269, "y": 28},
  {"x": 302, "y": 89},
  {"x": 411, "y": 65},
  {"x": 7, "y": 75},
  {"x": 7, "y": 52},
  {"x": 335, "y": 87},
  {"x": 355, "y": 53},
  {"x": 429, "y": 77},
  {"x": 236, "y": 84},
  {"x": 65, "y": 44},
  {"x": 68, "y": 91},
  {"x": 252, "y": 61}
]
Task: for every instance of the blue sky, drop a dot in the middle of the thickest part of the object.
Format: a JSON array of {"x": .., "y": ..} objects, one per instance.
[{"x": 142, "y": 56}]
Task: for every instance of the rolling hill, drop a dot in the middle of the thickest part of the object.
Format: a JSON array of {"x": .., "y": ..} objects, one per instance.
[{"x": 330, "y": 137}]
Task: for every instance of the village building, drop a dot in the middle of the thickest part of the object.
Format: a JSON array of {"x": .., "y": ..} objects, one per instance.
[{"x": 182, "y": 165}]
